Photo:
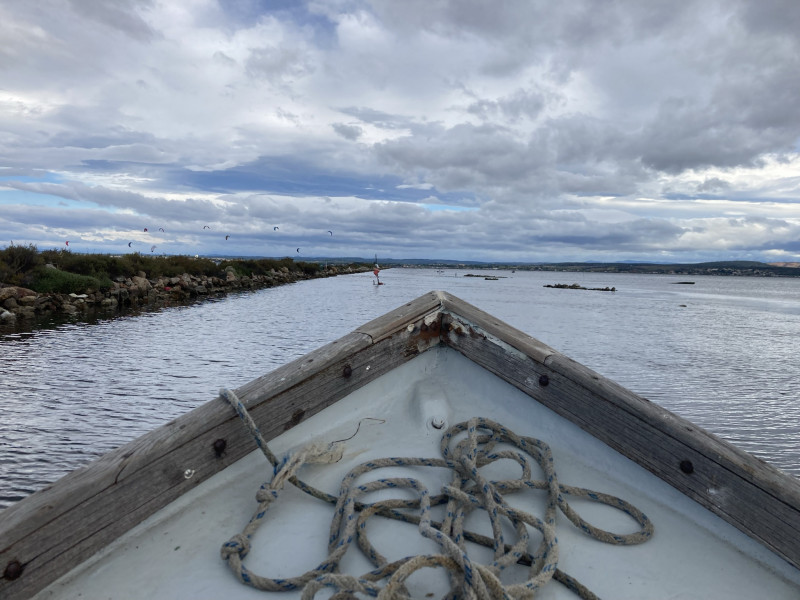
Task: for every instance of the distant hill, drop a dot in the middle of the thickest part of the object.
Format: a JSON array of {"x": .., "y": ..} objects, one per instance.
[{"x": 726, "y": 267}]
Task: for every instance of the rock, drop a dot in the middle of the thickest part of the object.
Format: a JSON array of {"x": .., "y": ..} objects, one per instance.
[
  {"x": 13, "y": 291},
  {"x": 142, "y": 284},
  {"x": 17, "y": 302},
  {"x": 26, "y": 312}
]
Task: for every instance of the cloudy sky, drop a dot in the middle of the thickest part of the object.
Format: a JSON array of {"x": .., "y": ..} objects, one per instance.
[{"x": 519, "y": 130}]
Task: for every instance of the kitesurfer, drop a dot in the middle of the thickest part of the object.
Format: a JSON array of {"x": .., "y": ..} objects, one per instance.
[{"x": 377, "y": 270}]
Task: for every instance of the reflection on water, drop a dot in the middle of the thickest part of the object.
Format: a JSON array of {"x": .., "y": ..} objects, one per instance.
[{"x": 720, "y": 353}]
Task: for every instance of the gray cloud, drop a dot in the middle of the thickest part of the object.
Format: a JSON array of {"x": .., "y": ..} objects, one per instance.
[
  {"x": 349, "y": 132},
  {"x": 123, "y": 17},
  {"x": 517, "y": 129},
  {"x": 522, "y": 103}
]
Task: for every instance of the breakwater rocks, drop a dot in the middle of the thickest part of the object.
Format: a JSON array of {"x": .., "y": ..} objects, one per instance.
[
  {"x": 575, "y": 286},
  {"x": 138, "y": 292}
]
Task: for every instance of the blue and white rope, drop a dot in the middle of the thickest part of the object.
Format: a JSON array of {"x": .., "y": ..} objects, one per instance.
[{"x": 465, "y": 448}]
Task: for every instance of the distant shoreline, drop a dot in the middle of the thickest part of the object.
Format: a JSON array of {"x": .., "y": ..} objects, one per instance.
[{"x": 730, "y": 268}]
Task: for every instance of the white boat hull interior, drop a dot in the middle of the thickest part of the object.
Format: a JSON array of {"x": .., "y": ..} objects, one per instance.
[{"x": 175, "y": 553}]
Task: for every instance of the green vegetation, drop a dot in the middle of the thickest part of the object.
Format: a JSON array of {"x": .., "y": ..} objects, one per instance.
[
  {"x": 47, "y": 281},
  {"x": 63, "y": 271},
  {"x": 17, "y": 261}
]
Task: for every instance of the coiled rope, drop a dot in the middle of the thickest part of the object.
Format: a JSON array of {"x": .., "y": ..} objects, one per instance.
[{"x": 468, "y": 490}]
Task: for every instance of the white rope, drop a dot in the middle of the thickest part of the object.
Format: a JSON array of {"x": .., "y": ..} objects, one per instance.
[{"x": 466, "y": 448}]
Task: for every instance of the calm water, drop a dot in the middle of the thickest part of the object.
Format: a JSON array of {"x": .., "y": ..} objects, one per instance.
[{"x": 721, "y": 353}]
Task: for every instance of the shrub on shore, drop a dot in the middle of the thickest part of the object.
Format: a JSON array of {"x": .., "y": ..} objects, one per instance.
[
  {"x": 47, "y": 281},
  {"x": 263, "y": 266},
  {"x": 17, "y": 261},
  {"x": 64, "y": 271}
]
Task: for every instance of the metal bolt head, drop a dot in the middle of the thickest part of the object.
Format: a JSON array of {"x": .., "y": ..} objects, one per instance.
[{"x": 438, "y": 422}]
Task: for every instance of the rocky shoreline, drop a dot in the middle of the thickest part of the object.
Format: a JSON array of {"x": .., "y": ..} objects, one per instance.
[{"x": 21, "y": 306}]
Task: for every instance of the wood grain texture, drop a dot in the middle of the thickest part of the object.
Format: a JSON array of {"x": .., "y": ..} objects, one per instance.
[
  {"x": 745, "y": 491},
  {"x": 59, "y": 527}
]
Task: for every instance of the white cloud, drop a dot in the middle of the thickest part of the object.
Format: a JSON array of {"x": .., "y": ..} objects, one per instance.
[{"x": 428, "y": 127}]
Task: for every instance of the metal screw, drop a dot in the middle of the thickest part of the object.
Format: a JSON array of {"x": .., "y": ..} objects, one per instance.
[
  {"x": 687, "y": 466},
  {"x": 437, "y": 422},
  {"x": 544, "y": 380}
]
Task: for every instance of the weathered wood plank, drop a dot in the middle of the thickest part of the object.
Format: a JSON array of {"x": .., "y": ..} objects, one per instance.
[
  {"x": 399, "y": 318},
  {"x": 495, "y": 327},
  {"x": 748, "y": 493},
  {"x": 56, "y": 529}
]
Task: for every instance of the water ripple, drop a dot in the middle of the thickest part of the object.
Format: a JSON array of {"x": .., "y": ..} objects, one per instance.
[{"x": 721, "y": 354}]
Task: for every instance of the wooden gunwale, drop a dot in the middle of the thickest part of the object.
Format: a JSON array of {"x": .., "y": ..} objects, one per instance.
[
  {"x": 750, "y": 494},
  {"x": 59, "y": 527},
  {"x": 56, "y": 529}
]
